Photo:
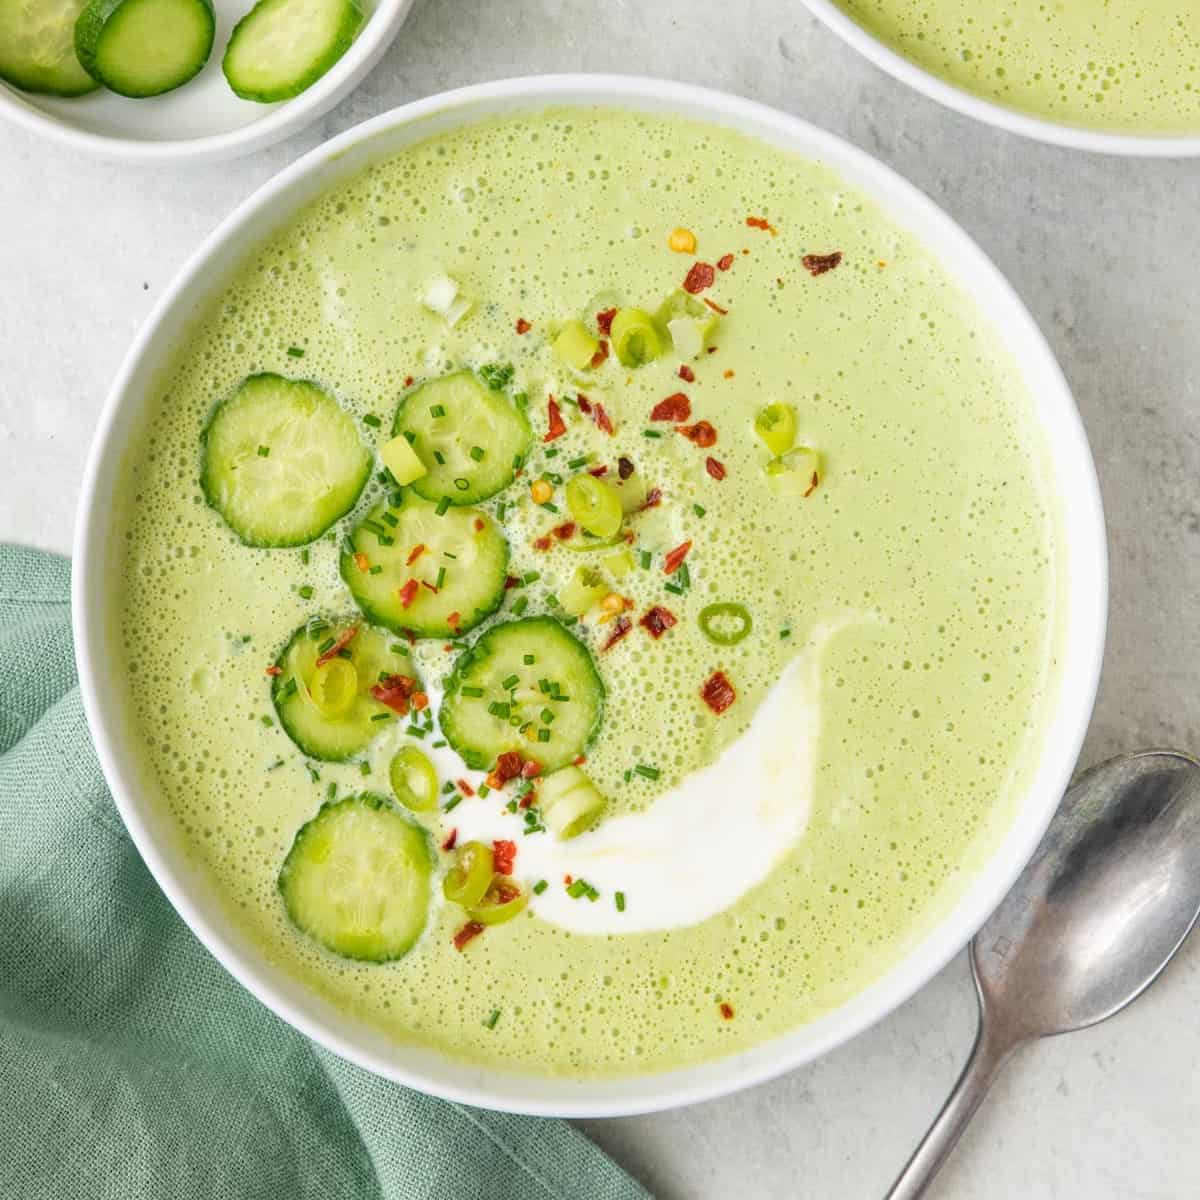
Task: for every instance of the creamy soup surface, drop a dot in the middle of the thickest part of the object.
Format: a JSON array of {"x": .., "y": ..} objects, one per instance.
[
  {"x": 757, "y": 860},
  {"x": 1104, "y": 64}
]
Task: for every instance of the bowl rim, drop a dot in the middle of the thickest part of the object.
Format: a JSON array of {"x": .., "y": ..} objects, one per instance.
[
  {"x": 936, "y": 946},
  {"x": 279, "y": 120},
  {"x": 1056, "y": 133}
]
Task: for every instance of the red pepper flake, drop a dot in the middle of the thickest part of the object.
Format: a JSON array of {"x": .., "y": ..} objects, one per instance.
[
  {"x": 676, "y": 407},
  {"x": 508, "y": 766},
  {"x": 472, "y": 929},
  {"x": 657, "y": 621},
  {"x": 812, "y": 487},
  {"x": 503, "y": 854},
  {"x": 699, "y": 277},
  {"x": 340, "y": 643},
  {"x": 451, "y": 839},
  {"x": 531, "y": 770},
  {"x": 479, "y": 524},
  {"x": 604, "y": 321},
  {"x": 362, "y": 562},
  {"x": 408, "y": 593},
  {"x": 624, "y": 468},
  {"x": 728, "y": 374},
  {"x": 414, "y": 554},
  {"x": 763, "y": 224},
  {"x": 395, "y": 692},
  {"x": 579, "y": 760},
  {"x": 454, "y": 620},
  {"x": 674, "y": 559},
  {"x": 598, "y": 471},
  {"x": 716, "y": 307},
  {"x": 542, "y": 543},
  {"x": 619, "y": 630},
  {"x": 727, "y": 1010},
  {"x": 526, "y": 801},
  {"x": 557, "y": 425},
  {"x": 653, "y": 499},
  {"x": 818, "y": 264},
  {"x": 564, "y": 531},
  {"x": 468, "y": 790},
  {"x": 712, "y": 349},
  {"x": 596, "y": 412},
  {"x": 431, "y": 586},
  {"x": 274, "y": 670},
  {"x": 718, "y": 692},
  {"x": 447, "y": 646},
  {"x": 420, "y": 701},
  {"x": 687, "y": 374},
  {"x": 523, "y": 326},
  {"x": 600, "y": 355},
  {"x": 510, "y": 582},
  {"x": 408, "y": 381},
  {"x": 585, "y": 405},
  {"x": 701, "y": 434},
  {"x": 715, "y": 468},
  {"x": 567, "y": 880},
  {"x": 725, "y": 262}
]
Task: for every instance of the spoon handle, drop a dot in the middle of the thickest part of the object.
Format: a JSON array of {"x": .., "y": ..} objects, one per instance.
[{"x": 991, "y": 1048}]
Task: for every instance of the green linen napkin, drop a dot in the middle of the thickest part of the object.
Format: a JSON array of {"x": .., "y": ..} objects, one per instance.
[{"x": 131, "y": 1065}]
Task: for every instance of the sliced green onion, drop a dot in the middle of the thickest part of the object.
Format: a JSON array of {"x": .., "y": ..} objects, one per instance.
[
  {"x": 596, "y": 505},
  {"x": 635, "y": 338},
  {"x": 575, "y": 345},
  {"x": 569, "y": 801},
  {"x": 775, "y": 425},
  {"x": 725, "y": 624}
]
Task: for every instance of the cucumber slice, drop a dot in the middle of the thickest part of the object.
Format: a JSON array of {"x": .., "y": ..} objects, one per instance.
[
  {"x": 562, "y": 681},
  {"x": 335, "y": 727},
  {"x": 282, "y": 461},
  {"x": 144, "y": 47},
  {"x": 37, "y": 47},
  {"x": 356, "y": 879},
  {"x": 464, "y": 543},
  {"x": 281, "y": 47},
  {"x": 480, "y": 435}
]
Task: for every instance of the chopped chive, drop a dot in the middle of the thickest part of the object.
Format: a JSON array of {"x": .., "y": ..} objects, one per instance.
[
  {"x": 364, "y": 768},
  {"x": 674, "y": 589},
  {"x": 552, "y": 600},
  {"x": 491, "y": 1021},
  {"x": 295, "y": 352},
  {"x": 331, "y": 791},
  {"x": 372, "y": 420},
  {"x": 579, "y": 888},
  {"x": 501, "y": 509},
  {"x": 550, "y": 507},
  {"x": 384, "y": 476},
  {"x": 685, "y": 576},
  {"x": 304, "y": 556},
  {"x": 447, "y": 554},
  {"x": 374, "y": 526},
  {"x": 410, "y": 436},
  {"x": 570, "y": 620},
  {"x": 381, "y": 716},
  {"x": 386, "y": 540},
  {"x": 651, "y": 433},
  {"x": 545, "y": 686},
  {"x": 439, "y": 458},
  {"x": 289, "y": 689},
  {"x": 647, "y": 772},
  {"x": 477, "y": 453},
  {"x": 348, "y": 546},
  {"x": 399, "y": 648},
  {"x": 388, "y": 519},
  {"x": 313, "y": 773},
  {"x": 554, "y": 478},
  {"x": 522, "y": 602},
  {"x": 510, "y": 683},
  {"x": 437, "y": 410},
  {"x": 441, "y": 578},
  {"x": 511, "y": 806},
  {"x": 264, "y": 451},
  {"x": 375, "y": 570},
  {"x": 582, "y": 461},
  {"x": 528, "y": 660},
  {"x": 461, "y": 484},
  {"x": 547, "y": 716},
  {"x": 521, "y": 399},
  {"x": 785, "y": 633},
  {"x": 499, "y": 710},
  {"x": 531, "y": 576},
  {"x": 447, "y": 787},
  {"x": 472, "y": 691},
  {"x": 619, "y": 898},
  {"x": 699, "y": 509},
  {"x": 306, "y": 592},
  {"x": 628, "y": 776},
  {"x": 442, "y": 505},
  {"x": 552, "y": 452},
  {"x": 277, "y": 763},
  {"x": 416, "y": 731},
  {"x": 560, "y": 698},
  {"x": 543, "y": 735},
  {"x": 396, "y": 499},
  {"x": 452, "y": 803},
  {"x": 644, "y": 558},
  {"x": 325, "y": 645},
  {"x": 516, "y": 462},
  {"x": 540, "y": 887}
]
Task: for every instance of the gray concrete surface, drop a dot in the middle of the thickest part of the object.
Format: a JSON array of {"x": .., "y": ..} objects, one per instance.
[{"x": 1104, "y": 251}]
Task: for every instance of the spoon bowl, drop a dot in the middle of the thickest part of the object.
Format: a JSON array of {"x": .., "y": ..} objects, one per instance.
[{"x": 1107, "y": 899}]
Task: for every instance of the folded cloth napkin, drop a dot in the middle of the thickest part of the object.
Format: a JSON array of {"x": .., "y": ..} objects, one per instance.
[{"x": 131, "y": 1064}]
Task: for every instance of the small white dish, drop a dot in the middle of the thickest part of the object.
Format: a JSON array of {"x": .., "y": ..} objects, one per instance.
[
  {"x": 98, "y": 547},
  {"x": 203, "y": 121},
  {"x": 1134, "y": 145}
]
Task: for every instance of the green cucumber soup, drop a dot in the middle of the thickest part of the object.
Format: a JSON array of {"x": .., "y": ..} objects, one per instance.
[
  {"x": 590, "y": 593},
  {"x": 1101, "y": 64}
]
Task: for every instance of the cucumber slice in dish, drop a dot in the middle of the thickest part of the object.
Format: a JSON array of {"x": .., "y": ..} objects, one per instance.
[
  {"x": 496, "y": 696},
  {"x": 332, "y": 709},
  {"x": 281, "y": 47},
  {"x": 441, "y": 569},
  {"x": 37, "y": 47},
  {"x": 143, "y": 48},
  {"x": 282, "y": 461},
  {"x": 357, "y": 879},
  {"x": 469, "y": 438}
]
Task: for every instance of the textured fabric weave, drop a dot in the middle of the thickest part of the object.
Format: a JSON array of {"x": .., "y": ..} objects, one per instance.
[{"x": 131, "y": 1065}]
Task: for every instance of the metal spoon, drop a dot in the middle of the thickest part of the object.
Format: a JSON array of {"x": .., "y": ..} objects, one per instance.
[{"x": 1108, "y": 898}]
